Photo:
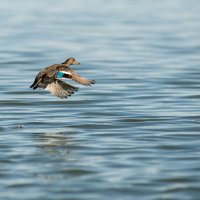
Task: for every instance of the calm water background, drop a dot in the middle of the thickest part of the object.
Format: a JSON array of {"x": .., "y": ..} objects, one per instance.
[{"x": 135, "y": 134}]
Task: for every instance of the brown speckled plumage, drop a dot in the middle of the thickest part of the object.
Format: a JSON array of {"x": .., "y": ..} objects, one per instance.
[{"x": 47, "y": 79}]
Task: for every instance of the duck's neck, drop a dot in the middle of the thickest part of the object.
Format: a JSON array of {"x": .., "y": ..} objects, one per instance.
[{"x": 67, "y": 62}]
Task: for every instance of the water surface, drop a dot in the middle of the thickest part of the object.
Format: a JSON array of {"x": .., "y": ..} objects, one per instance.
[{"x": 132, "y": 135}]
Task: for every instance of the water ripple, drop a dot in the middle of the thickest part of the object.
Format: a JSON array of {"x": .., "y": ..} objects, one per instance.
[{"x": 132, "y": 135}]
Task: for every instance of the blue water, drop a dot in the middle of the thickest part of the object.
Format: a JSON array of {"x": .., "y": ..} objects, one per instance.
[{"x": 135, "y": 134}]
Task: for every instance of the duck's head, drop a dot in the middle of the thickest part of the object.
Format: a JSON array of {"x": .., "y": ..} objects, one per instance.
[{"x": 71, "y": 61}]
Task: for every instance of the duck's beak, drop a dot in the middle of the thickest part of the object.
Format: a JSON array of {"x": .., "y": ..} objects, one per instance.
[{"x": 77, "y": 63}]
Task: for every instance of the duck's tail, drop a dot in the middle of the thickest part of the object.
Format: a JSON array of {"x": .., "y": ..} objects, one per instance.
[
  {"x": 32, "y": 85},
  {"x": 35, "y": 83}
]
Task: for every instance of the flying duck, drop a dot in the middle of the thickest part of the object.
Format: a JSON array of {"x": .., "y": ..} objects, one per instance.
[{"x": 51, "y": 79}]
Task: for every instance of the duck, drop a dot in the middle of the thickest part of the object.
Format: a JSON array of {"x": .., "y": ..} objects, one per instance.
[{"x": 52, "y": 79}]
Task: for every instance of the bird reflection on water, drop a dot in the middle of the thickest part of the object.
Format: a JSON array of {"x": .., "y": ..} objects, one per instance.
[{"x": 56, "y": 143}]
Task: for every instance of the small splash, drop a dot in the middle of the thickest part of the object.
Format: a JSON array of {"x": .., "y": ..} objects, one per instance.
[{"x": 19, "y": 126}]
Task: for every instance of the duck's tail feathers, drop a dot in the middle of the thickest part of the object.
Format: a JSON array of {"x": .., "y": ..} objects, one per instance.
[
  {"x": 32, "y": 85},
  {"x": 35, "y": 83}
]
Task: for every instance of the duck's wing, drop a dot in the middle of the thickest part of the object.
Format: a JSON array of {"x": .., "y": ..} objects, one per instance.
[
  {"x": 74, "y": 76},
  {"x": 52, "y": 70},
  {"x": 48, "y": 71},
  {"x": 60, "y": 89}
]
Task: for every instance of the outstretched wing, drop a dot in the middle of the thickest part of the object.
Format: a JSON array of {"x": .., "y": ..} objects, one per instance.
[
  {"x": 50, "y": 71},
  {"x": 61, "y": 89},
  {"x": 74, "y": 76}
]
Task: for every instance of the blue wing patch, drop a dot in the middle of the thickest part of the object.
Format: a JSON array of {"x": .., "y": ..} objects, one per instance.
[{"x": 60, "y": 74}]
